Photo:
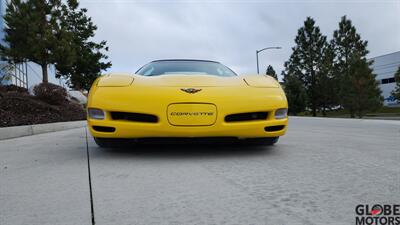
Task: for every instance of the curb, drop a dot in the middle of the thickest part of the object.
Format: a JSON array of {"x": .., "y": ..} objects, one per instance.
[
  {"x": 371, "y": 120},
  {"x": 27, "y": 130}
]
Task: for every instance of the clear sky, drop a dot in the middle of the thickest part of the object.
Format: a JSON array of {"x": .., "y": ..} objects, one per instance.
[{"x": 230, "y": 31}]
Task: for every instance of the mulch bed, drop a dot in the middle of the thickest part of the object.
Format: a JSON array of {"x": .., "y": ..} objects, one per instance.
[{"x": 18, "y": 107}]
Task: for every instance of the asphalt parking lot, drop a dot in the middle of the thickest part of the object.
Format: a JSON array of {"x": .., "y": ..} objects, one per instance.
[{"x": 316, "y": 174}]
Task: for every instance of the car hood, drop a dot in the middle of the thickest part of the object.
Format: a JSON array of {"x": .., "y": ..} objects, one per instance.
[{"x": 182, "y": 80}]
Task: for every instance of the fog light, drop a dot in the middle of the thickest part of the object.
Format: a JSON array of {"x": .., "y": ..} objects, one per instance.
[
  {"x": 96, "y": 114},
  {"x": 280, "y": 114}
]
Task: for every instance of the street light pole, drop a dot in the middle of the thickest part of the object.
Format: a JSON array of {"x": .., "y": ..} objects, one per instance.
[
  {"x": 258, "y": 51},
  {"x": 258, "y": 69}
]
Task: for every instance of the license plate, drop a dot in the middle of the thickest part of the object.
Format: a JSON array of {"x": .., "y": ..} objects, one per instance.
[{"x": 184, "y": 114}]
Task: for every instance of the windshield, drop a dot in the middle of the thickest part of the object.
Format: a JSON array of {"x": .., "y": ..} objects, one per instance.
[{"x": 186, "y": 67}]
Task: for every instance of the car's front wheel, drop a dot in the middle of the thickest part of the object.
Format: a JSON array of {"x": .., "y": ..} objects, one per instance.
[
  {"x": 103, "y": 142},
  {"x": 111, "y": 142},
  {"x": 261, "y": 141}
]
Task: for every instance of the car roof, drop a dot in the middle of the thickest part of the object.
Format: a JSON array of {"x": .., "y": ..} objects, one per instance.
[{"x": 188, "y": 60}]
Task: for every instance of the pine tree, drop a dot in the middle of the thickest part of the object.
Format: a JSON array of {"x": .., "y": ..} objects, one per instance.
[
  {"x": 364, "y": 93},
  {"x": 306, "y": 60},
  {"x": 89, "y": 59},
  {"x": 295, "y": 94},
  {"x": 326, "y": 83},
  {"x": 271, "y": 72},
  {"x": 351, "y": 64},
  {"x": 35, "y": 32},
  {"x": 396, "y": 91}
]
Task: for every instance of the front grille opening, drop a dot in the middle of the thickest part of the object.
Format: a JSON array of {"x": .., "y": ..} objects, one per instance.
[
  {"x": 246, "y": 116},
  {"x": 135, "y": 117},
  {"x": 104, "y": 129},
  {"x": 274, "y": 128}
]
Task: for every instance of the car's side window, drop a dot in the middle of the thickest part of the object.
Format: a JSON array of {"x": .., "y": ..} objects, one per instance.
[
  {"x": 148, "y": 71},
  {"x": 220, "y": 72}
]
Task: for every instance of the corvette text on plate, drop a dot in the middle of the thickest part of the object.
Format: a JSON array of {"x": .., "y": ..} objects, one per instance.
[{"x": 192, "y": 114}]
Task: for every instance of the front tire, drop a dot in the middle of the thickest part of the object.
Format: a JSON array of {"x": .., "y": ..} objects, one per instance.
[
  {"x": 261, "y": 141},
  {"x": 111, "y": 142},
  {"x": 103, "y": 142}
]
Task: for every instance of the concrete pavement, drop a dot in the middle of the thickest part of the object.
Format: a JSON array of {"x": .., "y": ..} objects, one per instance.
[
  {"x": 44, "y": 179},
  {"x": 316, "y": 174}
]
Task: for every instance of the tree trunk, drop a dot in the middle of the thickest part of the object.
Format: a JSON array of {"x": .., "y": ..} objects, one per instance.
[
  {"x": 314, "y": 110},
  {"x": 45, "y": 74},
  {"x": 352, "y": 114},
  {"x": 360, "y": 114},
  {"x": 314, "y": 100}
]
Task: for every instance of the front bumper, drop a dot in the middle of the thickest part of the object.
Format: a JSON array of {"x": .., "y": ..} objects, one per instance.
[
  {"x": 127, "y": 129},
  {"x": 158, "y": 102}
]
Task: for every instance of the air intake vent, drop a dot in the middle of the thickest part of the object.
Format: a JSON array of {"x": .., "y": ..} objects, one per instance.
[
  {"x": 104, "y": 129},
  {"x": 274, "y": 128},
  {"x": 135, "y": 117},
  {"x": 239, "y": 117}
]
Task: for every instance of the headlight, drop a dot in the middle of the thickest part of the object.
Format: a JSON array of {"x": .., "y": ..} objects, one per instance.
[
  {"x": 280, "y": 114},
  {"x": 96, "y": 114}
]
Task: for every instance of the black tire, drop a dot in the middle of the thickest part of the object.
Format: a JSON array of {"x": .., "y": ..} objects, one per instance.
[
  {"x": 103, "y": 142},
  {"x": 111, "y": 142},
  {"x": 261, "y": 141}
]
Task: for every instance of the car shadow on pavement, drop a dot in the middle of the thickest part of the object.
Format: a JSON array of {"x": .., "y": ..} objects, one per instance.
[{"x": 187, "y": 150}]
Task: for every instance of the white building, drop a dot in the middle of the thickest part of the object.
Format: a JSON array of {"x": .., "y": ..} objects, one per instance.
[{"x": 385, "y": 67}]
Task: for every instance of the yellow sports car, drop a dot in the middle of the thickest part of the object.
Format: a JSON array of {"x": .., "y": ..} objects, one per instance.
[{"x": 186, "y": 100}]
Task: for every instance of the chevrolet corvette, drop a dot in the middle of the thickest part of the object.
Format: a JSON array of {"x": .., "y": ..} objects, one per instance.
[{"x": 186, "y": 99}]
